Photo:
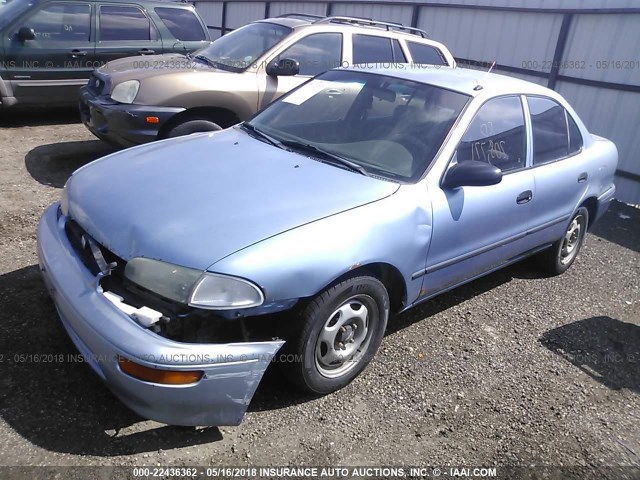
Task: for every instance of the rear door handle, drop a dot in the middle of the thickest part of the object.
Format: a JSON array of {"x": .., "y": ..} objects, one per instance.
[
  {"x": 78, "y": 53},
  {"x": 146, "y": 51},
  {"x": 583, "y": 177},
  {"x": 524, "y": 197}
]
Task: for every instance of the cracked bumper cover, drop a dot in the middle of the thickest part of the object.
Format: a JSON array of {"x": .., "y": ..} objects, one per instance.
[{"x": 101, "y": 333}]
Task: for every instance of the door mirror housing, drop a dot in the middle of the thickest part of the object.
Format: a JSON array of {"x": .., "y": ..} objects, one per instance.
[
  {"x": 472, "y": 173},
  {"x": 26, "y": 33},
  {"x": 285, "y": 67}
]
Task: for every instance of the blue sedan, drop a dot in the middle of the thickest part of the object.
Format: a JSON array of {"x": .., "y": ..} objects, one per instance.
[{"x": 182, "y": 269}]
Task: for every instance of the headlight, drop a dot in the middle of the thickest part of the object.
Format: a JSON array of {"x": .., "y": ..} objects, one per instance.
[
  {"x": 125, "y": 92},
  {"x": 171, "y": 281},
  {"x": 192, "y": 286},
  {"x": 223, "y": 293}
]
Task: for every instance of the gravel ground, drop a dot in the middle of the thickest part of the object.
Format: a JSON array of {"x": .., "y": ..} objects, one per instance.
[{"x": 512, "y": 369}]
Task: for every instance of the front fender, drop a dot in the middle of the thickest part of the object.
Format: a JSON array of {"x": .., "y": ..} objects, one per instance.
[
  {"x": 235, "y": 92},
  {"x": 301, "y": 262}
]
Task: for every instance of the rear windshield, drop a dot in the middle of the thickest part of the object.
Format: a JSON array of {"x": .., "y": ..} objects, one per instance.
[{"x": 182, "y": 23}]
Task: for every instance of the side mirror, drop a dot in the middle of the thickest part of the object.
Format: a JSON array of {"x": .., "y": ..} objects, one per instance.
[
  {"x": 285, "y": 67},
  {"x": 472, "y": 173},
  {"x": 26, "y": 33}
]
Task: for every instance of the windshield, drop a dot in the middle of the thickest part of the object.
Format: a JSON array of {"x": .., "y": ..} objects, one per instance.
[
  {"x": 236, "y": 51},
  {"x": 12, "y": 10},
  {"x": 388, "y": 126}
]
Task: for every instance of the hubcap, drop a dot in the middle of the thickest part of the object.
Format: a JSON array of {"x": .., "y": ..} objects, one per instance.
[
  {"x": 344, "y": 337},
  {"x": 571, "y": 241}
]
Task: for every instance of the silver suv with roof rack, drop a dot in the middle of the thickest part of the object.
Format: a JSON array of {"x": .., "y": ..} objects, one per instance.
[{"x": 137, "y": 100}]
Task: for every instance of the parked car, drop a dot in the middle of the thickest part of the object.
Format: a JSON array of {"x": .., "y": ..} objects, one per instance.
[
  {"x": 50, "y": 47},
  {"x": 128, "y": 101},
  {"x": 192, "y": 261}
]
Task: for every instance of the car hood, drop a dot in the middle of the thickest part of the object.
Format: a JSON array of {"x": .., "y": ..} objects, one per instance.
[
  {"x": 194, "y": 200},
  {"x": 141, "y": 67}
]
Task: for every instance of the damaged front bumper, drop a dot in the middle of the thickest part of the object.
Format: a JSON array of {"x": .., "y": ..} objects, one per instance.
[
  {"x": 104, "y": 334},
  {"x": 122, "y": 124}
]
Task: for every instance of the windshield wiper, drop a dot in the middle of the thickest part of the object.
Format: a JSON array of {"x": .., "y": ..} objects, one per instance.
[
  {"x": 216, "y": 64},
  {"x": 327, "y": 155},
  {"x": 207, "y": 60},
  {"x": 260, "y": 134}
]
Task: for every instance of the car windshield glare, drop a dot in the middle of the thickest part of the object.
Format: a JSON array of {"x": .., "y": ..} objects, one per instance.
[
  {"x": 391, "y": 127},
  {"x": 238, "y": 50},
  {"x": 12, "y": 10}
]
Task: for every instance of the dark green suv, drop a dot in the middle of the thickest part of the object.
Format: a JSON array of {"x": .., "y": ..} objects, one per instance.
[{"x": 48, "y": 48}]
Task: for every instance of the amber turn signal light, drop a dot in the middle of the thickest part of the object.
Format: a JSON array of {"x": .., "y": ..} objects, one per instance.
[
  {"x": 154, "y": 375},
  {"x": 153, "y": 120}
]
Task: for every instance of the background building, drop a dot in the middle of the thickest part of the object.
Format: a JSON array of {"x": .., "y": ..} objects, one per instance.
[{"x": 588, "y": 50}]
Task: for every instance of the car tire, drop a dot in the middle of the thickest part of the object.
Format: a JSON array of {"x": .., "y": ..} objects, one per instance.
[
  {"x": 560, "y": 256},
  {"x": 193, "y": 126},
  {"x": 341, "y": 330}
]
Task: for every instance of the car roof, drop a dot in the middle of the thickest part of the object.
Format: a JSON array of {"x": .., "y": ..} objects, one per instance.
[
  {"x": 296, "y": 20},
  {"x": 464, "y": 80},
  {"x": 287, "y": 22}
]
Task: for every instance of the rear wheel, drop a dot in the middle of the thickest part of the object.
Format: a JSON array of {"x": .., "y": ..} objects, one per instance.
[
  {"x": 341, "y": 330},
  {"x": 193, "y": 125},
  {"x": 561, "y": 255}
]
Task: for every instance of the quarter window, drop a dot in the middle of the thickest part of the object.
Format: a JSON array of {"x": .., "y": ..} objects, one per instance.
[
  {"x": 182, "y": 23},
  {"x": 552, "y": 131},
  {"x": 62, "y": 22},
  {"x": 426, "y": 54},
  {"x": 575, "y": 137},
  {"x": 316, "y": 53},
  {"x": 125, "y": 23},
  {"x": 370, "y": 49},
  {"x": 496, "y": 135}
]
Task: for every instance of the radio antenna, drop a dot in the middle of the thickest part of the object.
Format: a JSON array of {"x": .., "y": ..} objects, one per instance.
[{"x": 478, "y": 86}]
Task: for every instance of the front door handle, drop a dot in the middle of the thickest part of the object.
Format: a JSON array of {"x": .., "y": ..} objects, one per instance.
[
  {"x": 146, "y": 51},
  {"x": 77, "y": 53},
  {"x": 524, "y": 197},
  {"x": 583, "y": 177}
]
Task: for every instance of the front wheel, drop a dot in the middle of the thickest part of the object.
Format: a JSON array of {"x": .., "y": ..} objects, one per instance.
[
  {"x": 194, "y": 125},
  {"x": 561, "y": 255},
  {"x": 341, "y": 330}
]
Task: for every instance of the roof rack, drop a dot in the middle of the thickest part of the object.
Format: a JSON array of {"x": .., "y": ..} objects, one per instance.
[
  {"x": 367, "y": 22},
  {"x": 302, "y": 16}
]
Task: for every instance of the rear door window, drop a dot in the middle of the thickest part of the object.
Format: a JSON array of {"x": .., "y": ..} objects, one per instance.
[
  {"x": 182, "y": 23},
  {"x": 550, "y": 126},
  {"x": 370, "y": 49},
  {"x": 125, "y": 23}
]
